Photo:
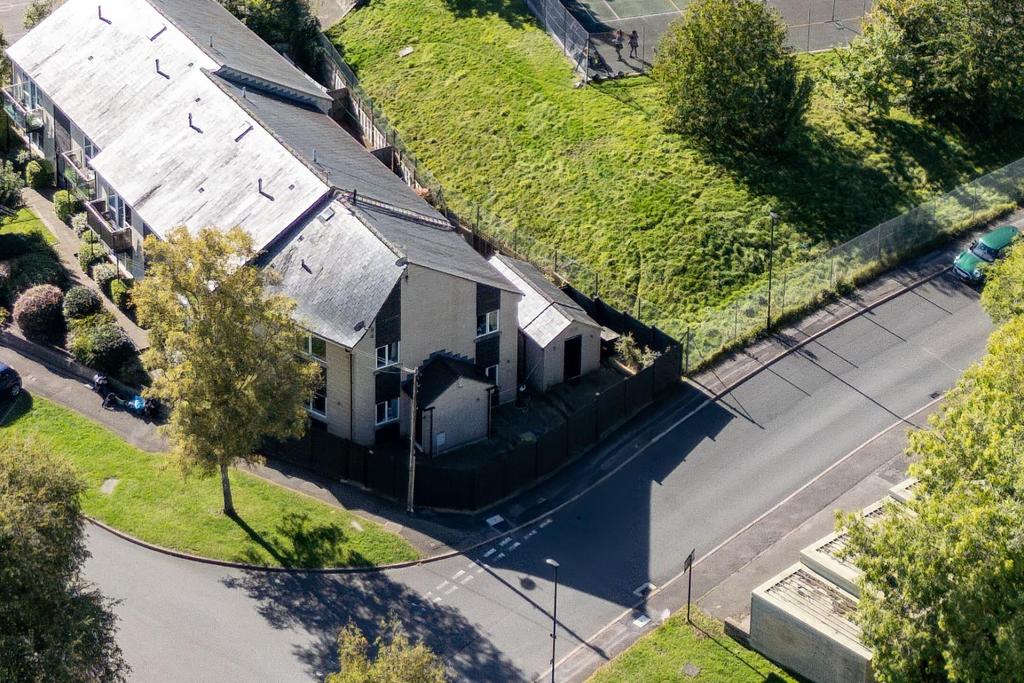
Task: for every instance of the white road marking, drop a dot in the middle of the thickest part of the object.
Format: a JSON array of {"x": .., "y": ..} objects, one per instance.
[
  {"x": 514, "y": 546},
  {"x": 451, "y": 590},
  {"x": 469, "y": 577},
  {"x": 441, "y": 585},
  {"x": 458, "y": 574},
  {"x": 644, "y": 590},
  {"x": 545, "y": 523},
  {"x": 500, "y": 555},
  {"x": 505, "y": 541},
  {"x": 495, "y": 520},
  {"x": 490, "y": 552}
]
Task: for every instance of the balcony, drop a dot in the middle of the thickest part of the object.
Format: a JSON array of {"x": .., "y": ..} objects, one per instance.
[
  {"x": 25, "y": 120},
  {"x": 78, "y": 174},
  {"x": 119, "y": 240}
]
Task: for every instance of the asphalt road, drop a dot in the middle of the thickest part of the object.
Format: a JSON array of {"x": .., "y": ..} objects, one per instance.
[
  {"x": 488, "y": 612},
  {"x": 12, "y": 14}
]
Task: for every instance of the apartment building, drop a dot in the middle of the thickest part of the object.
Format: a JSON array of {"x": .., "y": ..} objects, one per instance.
[{"x": 162, "y": 113}]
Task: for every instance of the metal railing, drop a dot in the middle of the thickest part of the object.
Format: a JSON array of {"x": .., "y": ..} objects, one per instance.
[
  {"x": 117, "y": 239},
  {"x": 25, "y": 118},
  {"x": 81, "y": 178}
]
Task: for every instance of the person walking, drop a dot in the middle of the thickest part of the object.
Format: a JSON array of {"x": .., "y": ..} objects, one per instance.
[
  {"x": 634, "y": 43},
  {"x": 617, "y": 40}
]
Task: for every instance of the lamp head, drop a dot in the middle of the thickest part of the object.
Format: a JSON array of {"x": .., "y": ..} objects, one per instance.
[{"x": 552, "y": 563}]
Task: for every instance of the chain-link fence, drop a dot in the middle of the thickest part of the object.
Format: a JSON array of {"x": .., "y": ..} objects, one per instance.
[
  {"x": 797, "y": 287},
  {"x": 564, "y": 28}
]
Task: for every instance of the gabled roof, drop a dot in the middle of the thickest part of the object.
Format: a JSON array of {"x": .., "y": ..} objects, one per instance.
[
  {"x": 337, "y": 271},
  {"x": 176, "y": 147},
  {"x": 243, "y": 55},
  {"x": 440, "y": 372},
  {"x": 545, "y": 310}
]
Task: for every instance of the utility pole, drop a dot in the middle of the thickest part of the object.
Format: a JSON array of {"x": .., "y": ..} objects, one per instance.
[
  {"x": 554, "y": 616},
  {"x": 412, "y": 443}
]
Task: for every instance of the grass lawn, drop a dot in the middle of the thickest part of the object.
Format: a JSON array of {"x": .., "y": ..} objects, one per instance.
[
  {"x": 662, "y": 654},
  {"x": 26, "y": 223},
  {"x": 153, "y": 502},
  {"x": 488, "y": 104}
]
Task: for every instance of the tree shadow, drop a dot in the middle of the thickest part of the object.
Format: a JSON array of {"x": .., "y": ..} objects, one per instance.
[
  {"x": 514, "y": 12},
  {"x": 297, "y": 542},
  {"x": 322, "y": 603}
]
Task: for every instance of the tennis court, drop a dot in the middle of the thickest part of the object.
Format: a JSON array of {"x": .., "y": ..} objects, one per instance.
[{"x": 813, "y": 25}]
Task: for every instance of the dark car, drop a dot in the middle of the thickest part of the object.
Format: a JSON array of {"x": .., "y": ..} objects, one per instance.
[{"x": 10, "y": 381}]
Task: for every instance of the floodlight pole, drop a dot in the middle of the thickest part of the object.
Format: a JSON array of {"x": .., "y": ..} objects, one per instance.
[
  {"x": 771, "y": 259},
  {"x": 554, "y": 616}
]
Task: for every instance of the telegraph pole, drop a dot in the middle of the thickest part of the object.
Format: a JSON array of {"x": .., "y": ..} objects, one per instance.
[{"x": 412, "y": 443}]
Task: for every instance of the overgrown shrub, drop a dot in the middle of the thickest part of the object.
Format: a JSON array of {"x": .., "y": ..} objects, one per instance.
[
  {"x": 104, "y": 274},
  {"x": 80, "y": 302},
  {"x": 90, "y": 237},
  {"x": 64, "y": 204},
  {"x": 633, "y": 355},
  {"x": 121, "y": 294},
  {"x": 39, "y": 313},
  {"x": 89, "y": 252},
  {"x": 22, "y": 158},
  {"x": 80, "y": 223},
  {"x": 38, "y": 173},
  {"x": 10, "y": 185},
  {"x": 36, "y": 268},
  {"x": 98, "y": 342}
]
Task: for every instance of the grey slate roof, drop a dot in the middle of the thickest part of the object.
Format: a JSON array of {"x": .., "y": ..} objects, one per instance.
[
  {"x": 440, "y": 372},
  {"x": 345, "y": 164},
  {"x": 337, "y": 271},
  {"x": 242, "y": 54},
  {"x": 545, "y": 310}
]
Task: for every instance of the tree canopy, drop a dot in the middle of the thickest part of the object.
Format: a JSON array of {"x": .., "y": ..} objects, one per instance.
[
  {"x": 728, "y": 78},
  {"x": 1003, "y": 296},
  {"x": 290, "y": 23},
  {"x": 224, "y": 350},
  {"x": 53, "y": 626},
  {"x": 397, "y": 659},
  {"x": 941, "y": 596},
  {"x": 952, "y": 60}
]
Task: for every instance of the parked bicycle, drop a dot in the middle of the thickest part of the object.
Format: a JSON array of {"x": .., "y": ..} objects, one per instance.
[{"x": 146, "y": 408}]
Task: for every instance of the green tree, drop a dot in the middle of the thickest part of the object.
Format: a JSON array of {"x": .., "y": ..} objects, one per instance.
[
  {"x": 955, "y": 60},
  {"x": 36, "y": 11},
  {"x": 397, "y": 659},
  {"x": 53, "y": 626},
  {"x": 1003, "y": 296},
  {"x": 941, "y": 597},
  {"x": 728, "y": 78},
  {"x": 288, "y": 23},
  {"x": 223, "y": 350}
]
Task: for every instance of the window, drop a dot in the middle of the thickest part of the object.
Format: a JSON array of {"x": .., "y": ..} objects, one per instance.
[
  {"x": 314, "y": 346},
  {"x": 121, "y": 213},
  {"x": 89, "y": 148},
  {"x": 318, "y": 402},
  {"x": 387, "y": 411},
  {"x": 387, "y": 355},
  {"x": 486, "y": 323}
]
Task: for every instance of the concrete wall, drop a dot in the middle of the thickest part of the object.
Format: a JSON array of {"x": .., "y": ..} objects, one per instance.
[{"x": 461, "y": 414}]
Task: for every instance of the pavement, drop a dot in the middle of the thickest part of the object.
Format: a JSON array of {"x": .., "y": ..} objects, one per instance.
[
  {"x": 12, "y": 17},
  {"x": 693, "y": 478}
]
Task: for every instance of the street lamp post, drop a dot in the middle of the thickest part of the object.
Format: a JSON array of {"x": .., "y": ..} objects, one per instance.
[
  {"x": 554, "y": 616},
  {"x": 771, "y": 260}
]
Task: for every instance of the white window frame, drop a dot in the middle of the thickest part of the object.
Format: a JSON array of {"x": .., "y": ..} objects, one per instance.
[
  {"x": 488, "y": 371},
  {"x": 310, "y": 403},
  {"x": 385, "y": 360},
  {"x": 487, "y": 323},
  {"x": 388, "y": 419},
  {"x": 306, "y": 348}
]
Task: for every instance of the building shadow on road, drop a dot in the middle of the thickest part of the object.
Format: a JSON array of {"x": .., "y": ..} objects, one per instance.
[{"x": 322, "y": 603}]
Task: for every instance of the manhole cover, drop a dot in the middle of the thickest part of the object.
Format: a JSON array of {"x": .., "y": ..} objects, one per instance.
[{"x": 691, "y": 669}]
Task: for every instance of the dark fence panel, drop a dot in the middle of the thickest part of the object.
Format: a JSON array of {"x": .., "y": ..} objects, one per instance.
[
  {"x": 639, "y": 390},
  {"x": 667, "y": 368},
  {"x": 441, "y": 487},
  {"x": 611, "y": 406},
  {"x": 581, "y": 427},
  {"x": 357, "y": 459},
  {"x": 380, "y": 471},
  {"x": 487, "y": 486},
  {"x": 552, "y": 449},
  {"x": 520, "y": 467}
]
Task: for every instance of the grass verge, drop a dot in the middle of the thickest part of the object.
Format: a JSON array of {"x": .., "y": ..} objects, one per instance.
[
  {"x": 487, "y": 102},
  {"x": 153, "y": 502},
  {"x": 662, "y": 654},
  {"x": 24, "y": 222}
]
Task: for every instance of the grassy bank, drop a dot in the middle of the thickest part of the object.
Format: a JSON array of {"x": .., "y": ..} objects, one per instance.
[
  {"x": 662, "y": 654},
  {"x": 488, "y": 104},
  {"x": 151, "y": 500}
]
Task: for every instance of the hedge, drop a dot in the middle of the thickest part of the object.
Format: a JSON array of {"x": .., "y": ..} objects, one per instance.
[
  {"x": 120, "y": 294},
  {"x": 37, "y": 174},
  {"x": 98, "y": 342},
  {"x": 104, "y": 274},
  {"x": 64, "y": 204}
]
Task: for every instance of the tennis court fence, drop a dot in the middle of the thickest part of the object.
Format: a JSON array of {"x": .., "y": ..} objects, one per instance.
[
  {"x": 566, "y": 29},
  {"x": 795, "y": 286}
]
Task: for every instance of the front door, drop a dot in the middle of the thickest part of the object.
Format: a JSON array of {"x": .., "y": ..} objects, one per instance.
[{"x": 573, "y": 358}]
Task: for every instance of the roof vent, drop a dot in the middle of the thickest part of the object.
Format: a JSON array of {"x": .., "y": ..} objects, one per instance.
[
  {"x": 99, "y": 13},
  {"x": 158, "y": 33},
  {"x": 242, "y": 130},
  {"x": 360, "y": 325},
  {"x": 192, "y": 125},
  {"x": 161, "y": 72},
  {"x": 259, "y": 184},
  {"x": 327, "y": 214}
]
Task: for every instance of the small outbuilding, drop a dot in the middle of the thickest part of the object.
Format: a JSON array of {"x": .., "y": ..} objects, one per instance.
[
  {"x": 454, "y": 400},
  {"x": 558, "y": 341}
]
